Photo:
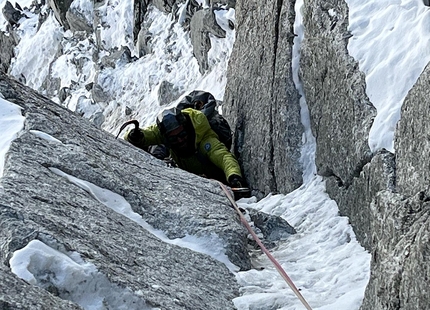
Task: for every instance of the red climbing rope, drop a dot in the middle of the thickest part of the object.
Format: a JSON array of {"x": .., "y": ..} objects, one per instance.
[{"x": 263, "y": 248}]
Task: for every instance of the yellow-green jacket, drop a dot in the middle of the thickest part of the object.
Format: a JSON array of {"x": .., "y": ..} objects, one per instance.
[{"x": 211, "y": 159}]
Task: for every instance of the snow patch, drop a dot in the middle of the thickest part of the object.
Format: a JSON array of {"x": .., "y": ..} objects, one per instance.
[
  {"x": 69, "y": 277},
  {"x": 45, "y": 136},
  {"x": 209, "y": 245},
  {"x": 11, "y": 123}
]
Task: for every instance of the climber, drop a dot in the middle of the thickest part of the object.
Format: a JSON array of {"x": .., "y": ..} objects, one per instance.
[
  {"x": 207, "y": 104},
  {"x": 193, "y": 145}
]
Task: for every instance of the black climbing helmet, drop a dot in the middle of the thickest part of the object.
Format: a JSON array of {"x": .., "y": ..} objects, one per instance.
[{"x": 169, "y": 120}]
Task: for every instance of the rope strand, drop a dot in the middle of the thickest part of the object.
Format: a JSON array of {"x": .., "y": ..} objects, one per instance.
[{"x": 263, "y": 248}]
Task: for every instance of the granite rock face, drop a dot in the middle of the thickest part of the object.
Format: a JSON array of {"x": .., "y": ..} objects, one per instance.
[
  {"x": 261, "y": 102},
  {"x": 341, "y": 114},
  {"x": 400, "y": 233},
  {"x": 164, "y": 5},
  {"x": 7, "y": 43},
  {"x": 37, "y": 204},
  {"x": 385, "y": 195},
  {"x": 354, "y": 200},
  {"x": 400, "y": 218},
  {"x": 202, "y": 24},
  {"x": 412, "y": 140},
  {"x": 11, "y": 14}
]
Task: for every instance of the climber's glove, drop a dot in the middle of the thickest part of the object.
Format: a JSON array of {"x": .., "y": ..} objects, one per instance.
[
  {"x": 236, "y": 181},
  {"x": 135, "y": 136}
]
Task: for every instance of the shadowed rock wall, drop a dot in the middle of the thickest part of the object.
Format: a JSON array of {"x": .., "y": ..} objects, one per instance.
[
  {"x": 7, "y": 42},
  {"x": 385, "y": 195},
  {"x": 261, "y": 101}
]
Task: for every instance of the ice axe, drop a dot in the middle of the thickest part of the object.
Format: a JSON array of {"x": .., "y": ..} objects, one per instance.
[{"x": 133, "y": 121}]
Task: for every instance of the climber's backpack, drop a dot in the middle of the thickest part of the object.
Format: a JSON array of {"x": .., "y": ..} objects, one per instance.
[{"x": 206, "y": 103}]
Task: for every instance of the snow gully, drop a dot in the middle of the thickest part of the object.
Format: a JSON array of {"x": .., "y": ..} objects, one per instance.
[{"x": 263, "y": 248}]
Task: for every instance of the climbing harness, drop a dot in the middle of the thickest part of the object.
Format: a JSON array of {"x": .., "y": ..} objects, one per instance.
[{"x": 263, "y": 248}]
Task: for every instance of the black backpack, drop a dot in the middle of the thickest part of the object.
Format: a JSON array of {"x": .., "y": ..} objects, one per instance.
[{"x": 206, "y": 103}]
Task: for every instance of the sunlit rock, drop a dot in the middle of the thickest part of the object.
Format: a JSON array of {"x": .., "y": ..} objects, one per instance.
[{"x": 178, "y": 228}]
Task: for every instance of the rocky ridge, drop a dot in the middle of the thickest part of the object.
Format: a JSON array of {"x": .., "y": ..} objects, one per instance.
[{"x": 37, "y": 204}]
